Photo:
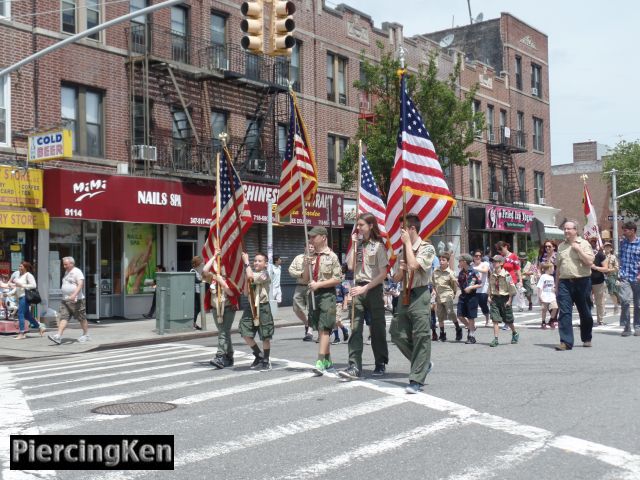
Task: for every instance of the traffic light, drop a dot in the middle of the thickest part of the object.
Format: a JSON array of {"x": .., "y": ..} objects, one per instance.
[
  {"x": 252, "y": 26},
  {"x": 282, "y": 26}
]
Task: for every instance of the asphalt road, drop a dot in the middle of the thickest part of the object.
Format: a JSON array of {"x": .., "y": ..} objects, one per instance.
[{"x": 513, "y": 412}]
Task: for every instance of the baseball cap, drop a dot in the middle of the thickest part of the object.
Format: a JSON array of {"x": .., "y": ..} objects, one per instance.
[{"x": 318, "y": 231}]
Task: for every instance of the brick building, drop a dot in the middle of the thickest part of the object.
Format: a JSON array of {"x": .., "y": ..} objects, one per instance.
[{"x": 177, "y": 78}]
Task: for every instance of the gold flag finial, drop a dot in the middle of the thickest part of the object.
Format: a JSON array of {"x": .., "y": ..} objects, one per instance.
[{"x": 584, "y": 178}]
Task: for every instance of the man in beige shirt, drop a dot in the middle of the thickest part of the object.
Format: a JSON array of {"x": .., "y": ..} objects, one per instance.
[{"x": 574, "y": 260}]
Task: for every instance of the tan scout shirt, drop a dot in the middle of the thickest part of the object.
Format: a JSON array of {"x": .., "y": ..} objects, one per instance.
[
  {"x": 296, "y": 269},
  {"x": 570, "y": 264},
  {"x": 372, "y": 260},
  {"x": 424, "y": 253},
  {"x": 261, "y": 283},
  {"x": 501, "y": 284},
  {"x": 445, "y": 284},
  {"x": 330, "y": 267}
]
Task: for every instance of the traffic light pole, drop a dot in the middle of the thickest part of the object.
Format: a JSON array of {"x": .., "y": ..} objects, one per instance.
[{"x": 86, "y": 33}]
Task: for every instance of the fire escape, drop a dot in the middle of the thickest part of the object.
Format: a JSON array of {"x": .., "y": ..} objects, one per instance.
[
  {"x": 176, "y": 82},
  {"x": 505, "y": 184}
]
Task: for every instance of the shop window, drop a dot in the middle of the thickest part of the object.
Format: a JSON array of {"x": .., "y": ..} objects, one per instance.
[
  {"x": 5, "y": 111},
  {"x": 110, "y": 261},
  {"x": 65, "y": 240},
  {"x": 140, "y": 254}
]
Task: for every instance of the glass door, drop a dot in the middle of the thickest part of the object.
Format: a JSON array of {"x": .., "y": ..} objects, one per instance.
[{"x": 92, "y": 269}]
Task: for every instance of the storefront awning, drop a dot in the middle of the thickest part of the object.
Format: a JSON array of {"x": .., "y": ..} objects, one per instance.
[
  {"x": 541, "y": 232},
  {"x": 24, "y": 218},
  {"x": 553, "y": 233}
]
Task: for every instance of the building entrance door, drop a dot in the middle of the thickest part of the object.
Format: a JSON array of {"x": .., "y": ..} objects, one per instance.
[{"x": 91, "y": 271}]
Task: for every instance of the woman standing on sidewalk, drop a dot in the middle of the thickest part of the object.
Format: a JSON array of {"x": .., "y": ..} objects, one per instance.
[{"x": 25, "y": 281}]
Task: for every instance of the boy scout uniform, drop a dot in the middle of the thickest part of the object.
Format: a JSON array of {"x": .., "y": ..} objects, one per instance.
[
  {"x": 301, "y": 293},
  {"x": 225, "y": 347},
  {"x": 370, "y": 262},
  {"x": 411, "y": 326},
  {"x": 445, "y": 285},
  {"x": 260, "y": 286},
  {"x": 501, "y": 287},
  {"x": 325, "y": 266}
]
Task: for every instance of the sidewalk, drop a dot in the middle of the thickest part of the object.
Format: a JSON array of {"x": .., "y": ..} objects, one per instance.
[{"x": 114, "y": 333}]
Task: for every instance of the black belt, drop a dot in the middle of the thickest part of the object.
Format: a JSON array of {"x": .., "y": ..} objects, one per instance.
[
  {"x": 574, "y": 279},
  {"x": 361, "y": 284}
]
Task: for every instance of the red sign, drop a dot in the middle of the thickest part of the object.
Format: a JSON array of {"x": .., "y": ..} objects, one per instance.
[
  {"x": 506, "y": 218},
  {"x": 94, "y": 196}
]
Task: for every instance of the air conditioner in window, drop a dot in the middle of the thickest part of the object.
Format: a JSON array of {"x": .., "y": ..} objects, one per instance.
[
  {"x": 144, "y": 152},
  {"x": 534, "y": 91},
  {"x": 542, "y": 202},
  {"x": 257, "y": 165},
  {"x": 495, "y": 196}
]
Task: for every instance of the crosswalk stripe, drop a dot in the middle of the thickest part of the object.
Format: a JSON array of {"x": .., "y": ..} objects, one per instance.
[
  {"x": 100, "y": 376},
  {"x": 371, "y": 450}
]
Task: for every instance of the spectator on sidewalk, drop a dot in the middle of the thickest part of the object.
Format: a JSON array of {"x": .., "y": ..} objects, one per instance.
[
  {"x": 73, "y": 301},
  {"x": 575, "y": 258},
  {"x": 25, "y": 281},
  {"x": 630, "y": 279}
]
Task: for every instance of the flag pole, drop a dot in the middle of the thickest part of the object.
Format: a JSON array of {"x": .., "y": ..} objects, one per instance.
[
  {"x": 355, "y": 246},
  {"x": 218, "y": 286}
]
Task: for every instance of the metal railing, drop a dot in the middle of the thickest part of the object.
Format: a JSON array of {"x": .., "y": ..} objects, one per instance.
[{"x": 504, "y": 137}]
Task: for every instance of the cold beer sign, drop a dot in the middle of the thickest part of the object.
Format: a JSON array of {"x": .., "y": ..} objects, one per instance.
[{"x": 50, "y": 145}]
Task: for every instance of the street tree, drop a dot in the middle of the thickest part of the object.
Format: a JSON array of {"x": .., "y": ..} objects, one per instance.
[
  {"x": 448, "y": 116},
  {"x": 625, "y": 158}
]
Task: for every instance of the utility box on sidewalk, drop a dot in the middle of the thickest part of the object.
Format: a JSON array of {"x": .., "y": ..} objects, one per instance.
[{"x": 175, "y": 292}]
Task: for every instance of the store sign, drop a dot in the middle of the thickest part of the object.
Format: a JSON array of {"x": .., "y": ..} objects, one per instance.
[
  {"x": 24, "y": 219},
  {"x": 148, "y": 200},
  {"x": 20, "y": 188},
  {"x": 50, "y": 145},
  {"x": 505, "y": 218}
]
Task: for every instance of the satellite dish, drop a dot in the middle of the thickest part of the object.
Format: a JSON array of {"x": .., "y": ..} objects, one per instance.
[
  {"x": 446, "y": 40},
  {"x": 479, "y": 18}
]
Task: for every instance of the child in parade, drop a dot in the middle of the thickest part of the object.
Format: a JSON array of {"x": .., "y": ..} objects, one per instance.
[{"x": 501, "y": 292}]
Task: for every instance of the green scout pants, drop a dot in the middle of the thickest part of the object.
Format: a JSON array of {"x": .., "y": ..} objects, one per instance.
[
  {"x": 225, "y": 347},
  {"x": 264, "y": 330},
  {"x": 411, "y": 332},
  {"x": 323, "y": 318},
  {"x": 372, "y": 302},
  {"x": 500, "y": 311}
]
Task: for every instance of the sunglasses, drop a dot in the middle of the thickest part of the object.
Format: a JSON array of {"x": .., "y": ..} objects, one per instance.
[
  {"x": 548, "y": 246},
  {"x": 477, "y": 256}
]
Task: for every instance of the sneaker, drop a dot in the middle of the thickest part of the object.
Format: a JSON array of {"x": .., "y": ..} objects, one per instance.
[
  {"x": 329, "y": 367},
  {"x": 443, "y": 336},
  {"x": 217, "y": 362},
  {"x": 55, "y": 338},
  {"x": 336, "y": 341},
  {"x": 458, "y": 334},
  {"x": 470, "y": 340},
  {"x": 514, "y": 338},
  {"x": 504, "y": 327},
  {"x": 265, "y": 366},
  {"x": 626, "y": 333},
  {"x": 379, "y": 370},
  {"x": 586, "y": 344},
  {"x": 494, "y": 343},
  {"x": 83, "y": 338},
  {"x": 307, "y": 338},
  {"x": 257, "y": 361},
  {"x": 368, "y": 342},
  {"x": 228, "y": 360},
  {"x": 350, "y": 373},
  {"x": 413, "y": 387},
  {"x": 562, "y": 347},
  {"x": 197, "y": 327},
  {"x": 320, "y": 368}
]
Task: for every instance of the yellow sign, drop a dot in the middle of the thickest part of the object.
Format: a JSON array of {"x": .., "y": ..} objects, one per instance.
[
  {"x": 24, "y": 219},
  {"x": 21, "y": 188},
  {"x": 50, "y": 145}
]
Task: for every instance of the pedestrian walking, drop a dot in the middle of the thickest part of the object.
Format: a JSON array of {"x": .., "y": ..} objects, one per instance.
[
  {"x": 326, "y": 274},
  {"x": 574, "y": 261},
  {"x": 23, "y": 282},
  {"x": 445, "y": 287},
  {"x": 301, "y": 292},
  {"x": 73, "y": 301},
  {"x": 547, "y": 294},
  {"x": 501, "y": 292},
  {"x": 629, "y": 289},
  {"x": 410, "y": 325},
  {"x": 257, "y": 280},
  {"x": 367, "y": 296},
  {"x": 598, "y": 285},
  {"x": 469, "y": 282}
]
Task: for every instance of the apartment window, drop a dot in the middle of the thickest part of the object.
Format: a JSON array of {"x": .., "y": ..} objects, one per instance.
[
  {"x": 503, "y": 124},
  {"x": 218, "y": 126},
  {"x": 179, "y": 34},
  {"x": 538, "y": 187},
  {"x": 139, "y": 121},
  {"x": 518, "y": 72},
  {"x": 81, "y": 15},
  {"x": 288, "y": 69},
  {"x": 538, "y": 143},
  {"x": 520, "y": 131},
  {"x": 5, "y": 8},
  {"x": 81, "y": 111},
  {"x": 522, "y": 183},
  {"x": 536, "y": 80},
  {"x": 138, "y": 26},
  {"x": 283, "y": 133},
  {"x": 252, "y": 138},
  {"x": 336, "y": 78},
  {"x": 493, "y": 187},
  {"x": 475, "y": 179},
  {"x": 335, "y": 150},
  {"x": 491, "y": 136},
  {"x": 506, "y": 188},
  {"x": 476, "y": 108},
  {"x": 5, "y": 111},
  {"x": 218, "y": 47}
]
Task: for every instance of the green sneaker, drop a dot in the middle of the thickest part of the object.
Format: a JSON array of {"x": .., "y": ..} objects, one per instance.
[
  {"x": 514, "y": 337},
  {"x": 320, "y": 368},
  {"x": 494, "y": 343},
  {"x": 329, "y": 367}
]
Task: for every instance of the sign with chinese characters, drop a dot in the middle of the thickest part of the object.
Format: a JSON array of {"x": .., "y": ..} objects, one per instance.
[
  {"x": 50, "y": 145},
  {"x": 506, "y": 218},
  {"x": 20, "y": 188}
]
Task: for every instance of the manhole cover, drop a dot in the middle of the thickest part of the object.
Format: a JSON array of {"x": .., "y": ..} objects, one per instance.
[{"x": 134, "y": 408}]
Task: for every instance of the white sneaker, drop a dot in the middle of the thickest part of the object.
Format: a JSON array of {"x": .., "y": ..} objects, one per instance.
[
  {"x": 83, "y": 338},
  {"x": 55, "y": 339}
]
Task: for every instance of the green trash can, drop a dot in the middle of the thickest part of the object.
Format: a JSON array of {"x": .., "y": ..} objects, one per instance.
[{"x": 175, "y": 292}]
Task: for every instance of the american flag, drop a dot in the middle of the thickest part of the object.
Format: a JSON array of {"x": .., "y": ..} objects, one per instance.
[
  {"x": 232, "y": 204},
  {"x": 298, "y": 165},
  {"x": 417, "y": 172},
  {"x": 370, "y": 201}
]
